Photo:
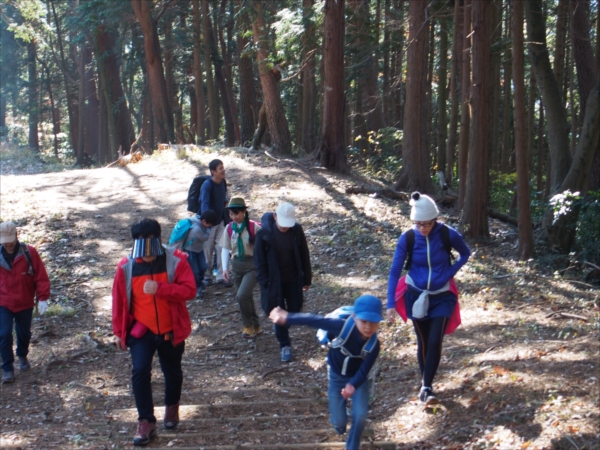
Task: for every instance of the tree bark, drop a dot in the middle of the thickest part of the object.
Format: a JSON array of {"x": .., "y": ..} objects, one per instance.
[
  {"x": 526, "y": 248},
  {"x": 161, "y": 104},
  {"x": 414, "y": 174},
  {"x": 32, "y": 82},
  {"x": 211, "y": 93},
  {"x": 198, "y": 85},
  {"x": 558, "y": 128},
  {"x": 465, "y": 110},
  {"x": 442, "y": 122},
  {"x": 92, "y": 107},
  {"x": 309, "y": 88},
  {"x": 456, "y": 58},
  {"x": 248, "y": 94},
  {"x": 507, "y": 106},
  {"x": 559, "y": 53},
  {"x": 8, "y": 71},
  {"x": 269, "y": 77},
  {"x": 475, "y": 221},
  {"x": 331, "y": 150}
]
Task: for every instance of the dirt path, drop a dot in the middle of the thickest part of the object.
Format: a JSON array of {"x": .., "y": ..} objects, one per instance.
[{"x": 513, "y": 376}]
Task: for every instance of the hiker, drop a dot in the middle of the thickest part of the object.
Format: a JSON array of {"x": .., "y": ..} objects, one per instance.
[
  {"x": 283, "y": 271},
  {"x": 427, "y": 294},
  {"x": 213, "y": 195},
  {"x": 238, "y": 242},
  {"x": 348, "y": 368},
  {"x": 193, "y": 245},
  {"x": 22, "y": 277},
  {"x": 149, "y": 315}
]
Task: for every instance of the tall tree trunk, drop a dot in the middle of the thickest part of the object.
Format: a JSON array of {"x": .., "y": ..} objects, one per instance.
[
  {"x": 119, "y": 120},
  {"x": 68, "y": 87},
  {"x": 269, "y": 77},
  {"x": 526, "y": 249},
  {"x": 507, "y": 105},
  {"x": 540, "y": 155},
  {"x": 161, "y": 104},
  {"x": 386, "y": 99},
  {"x": 248, "y": 94},
  {"x": 92, "y": 106},
  {"x": 559, "y": 53},
  {"x": 170, "y": 64},
  {"x": 33, "y": 106},
  {"x": 558, "y": 128},
  {"x": 457, "y": 42},
  {"x": 496, "y": 63},
  {"x": 309, "y": 88},
  {"x": 8, "y": 72},
  {"x": 55, "y": 122},
  {"x": 227, "y": 52},
  {"x": 198, "y": 85},
  {"x": 442, "y": 97},
  {"x": 475, "y": 208},
  {"x": 81, "y": 150},
  {"x": 211, "y": 93},
  {"x": 415, "y": 170},
  {"x": 465, "y": 110},
  {"x": 530, "y": 128},
  {"x": 331, "y": 150},
  {"x": 220, "y": 77}
]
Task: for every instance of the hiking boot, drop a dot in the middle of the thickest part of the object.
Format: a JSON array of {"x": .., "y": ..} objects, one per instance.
[
  {"x": 8, "y": 377},
  {"x": 286, "y": 354},
  {"x": 248, "y": 332},
  {"x": 145, "y": 433},
  {"x": 24, "y": 364},
  {"x": 428, "y": 397},
  {"x": 224, "y": 283},
  {"x": 171, "y": 416}
]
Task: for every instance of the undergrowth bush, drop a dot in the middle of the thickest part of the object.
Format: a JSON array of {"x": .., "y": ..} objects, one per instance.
[
  {"x": 381, "y": 159},
  {"x": 502, "y": 190},
  {"x": 588, "y": 227}
]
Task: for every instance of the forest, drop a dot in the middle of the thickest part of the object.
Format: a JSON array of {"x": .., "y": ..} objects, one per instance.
[{"x": 493, "y": 106}]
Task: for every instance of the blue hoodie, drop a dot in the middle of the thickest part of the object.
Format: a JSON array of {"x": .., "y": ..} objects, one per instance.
[{"x": 431, "y": 268}]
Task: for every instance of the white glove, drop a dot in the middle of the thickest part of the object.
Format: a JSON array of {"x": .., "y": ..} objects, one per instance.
[{"x": 42, "y": 307}]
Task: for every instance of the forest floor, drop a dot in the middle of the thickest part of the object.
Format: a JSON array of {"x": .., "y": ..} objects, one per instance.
[{"x": 522, "y": 372}]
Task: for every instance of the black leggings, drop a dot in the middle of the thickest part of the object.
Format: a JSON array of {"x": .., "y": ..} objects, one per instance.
[{"x": 430, "y": 334}]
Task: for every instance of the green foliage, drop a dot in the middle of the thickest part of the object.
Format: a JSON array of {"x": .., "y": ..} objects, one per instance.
[
  {"x": 381, "y": 157},
  {"x": 502, "y": 190},
  {"x": 588, "y": 227}
]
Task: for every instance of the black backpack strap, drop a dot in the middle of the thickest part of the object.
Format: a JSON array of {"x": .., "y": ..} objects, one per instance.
[
  {"x": 28, "y": 258},
  {"x": 445, "y": 235},
  {"x": 410, "y": 245}
]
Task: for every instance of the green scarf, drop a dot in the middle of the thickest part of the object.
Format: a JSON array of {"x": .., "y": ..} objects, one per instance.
[{"x": 240, "y": 244}]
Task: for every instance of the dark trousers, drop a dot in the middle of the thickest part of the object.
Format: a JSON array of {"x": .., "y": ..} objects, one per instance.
[
  {"x": 293, "y": 298},
  {"x": 430, "y": 334},
  {"x": 22, "y": 321},
  {"x": 142, "y": 351},
  {"x": 198, "y": 264}
]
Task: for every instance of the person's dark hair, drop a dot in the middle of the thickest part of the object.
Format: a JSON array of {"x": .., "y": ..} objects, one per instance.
[
  {"x": 145, "y": 228},
  {"x": 251, "y": 239},
  {"x": 210, "y": 216},
  {"x": 214, "y": 164}
]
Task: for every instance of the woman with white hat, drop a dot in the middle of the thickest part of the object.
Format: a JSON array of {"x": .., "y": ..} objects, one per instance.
[{"x": 427, "y": 294}]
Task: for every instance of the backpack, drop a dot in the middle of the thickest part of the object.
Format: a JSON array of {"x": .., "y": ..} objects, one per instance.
[
  {"x": 193, "y": 198},
  {"x": 31, "y": 271},
  {"x": 410, "y": 244},
  {"x": 251, "y": 229},
  {"x": 180, "y": 233},
  {"x": 325, "y": 338}
]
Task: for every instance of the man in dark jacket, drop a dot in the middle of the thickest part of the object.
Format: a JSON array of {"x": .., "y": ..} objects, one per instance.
[{"x": 283, "y": 269}]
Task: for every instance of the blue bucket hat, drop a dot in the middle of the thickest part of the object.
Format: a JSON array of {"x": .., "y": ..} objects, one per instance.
[{"x": 368, "y": 307}]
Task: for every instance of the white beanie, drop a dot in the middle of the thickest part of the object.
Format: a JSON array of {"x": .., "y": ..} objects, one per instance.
[{"x": 423, "y": 207}]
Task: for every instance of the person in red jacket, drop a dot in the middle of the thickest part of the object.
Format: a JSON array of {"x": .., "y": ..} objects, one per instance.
[
  {"x": 22, "y": 277},
  {"x": 149, "y": 315}
]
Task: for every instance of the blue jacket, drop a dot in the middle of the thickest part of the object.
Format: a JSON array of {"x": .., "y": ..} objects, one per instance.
[
  {"x": 431, "y": 267},
  {"x": 358, "y": 368},
  {"x": 267, "y": 266}
]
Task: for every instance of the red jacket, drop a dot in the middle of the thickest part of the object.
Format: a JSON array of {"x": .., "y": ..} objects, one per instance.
[
  {"x": 18, "y": 286},
  {"x": 180, "y": 289}
]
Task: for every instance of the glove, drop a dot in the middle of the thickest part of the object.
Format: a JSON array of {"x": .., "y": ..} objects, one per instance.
[{"x": 42, "y": 307}]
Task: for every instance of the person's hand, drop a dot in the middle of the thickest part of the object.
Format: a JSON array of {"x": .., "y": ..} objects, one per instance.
[
  {"x": 226, "y": 275},
  {"x": 391, "y": 314},
  {"x": 150, "y": 287},
  {"x": 42, "y": 307},
  {"x": 306, "y": 288},
  {"x": 278, "y": 316},
  {"x": 120, "y": 344},
  {"x": 348, "y": 391}
]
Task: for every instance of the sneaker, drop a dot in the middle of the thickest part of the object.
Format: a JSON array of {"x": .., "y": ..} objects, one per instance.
[
  {"x": 24, "y": 364},
  {"x": 224, "y": 283},
  {"x": 257, "y": 330},
  {"x": 145, "y": 433},
  {"x": 428, "y": 397},
  {"x": 171, "y": 416},
  {"x": 286, "y": 354},
  {"x": 8, "y": 377},
  {"x": 248, "y": 332}
]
